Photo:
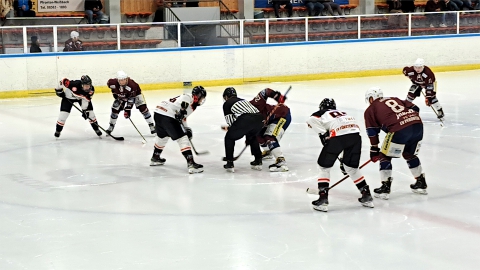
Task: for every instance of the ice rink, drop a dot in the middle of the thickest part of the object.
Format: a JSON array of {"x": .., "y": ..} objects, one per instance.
[{"x": 80, "y": 202}]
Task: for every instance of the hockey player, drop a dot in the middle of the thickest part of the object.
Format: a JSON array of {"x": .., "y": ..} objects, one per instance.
[
  {"x": 404, "y": 128},
  {"x": 126, "y": 93},
  {"x": 171, "y": 122},
  {"x": 277, "y": 119},
  {"x": 422, "y": 77},
  {"x": 243, "y": 119},
  {"x": 80, "y": 91},
  {"x": 339, "y": 133}
]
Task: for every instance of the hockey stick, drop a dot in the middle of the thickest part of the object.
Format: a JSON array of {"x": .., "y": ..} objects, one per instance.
[
  {"x": 193, "y": 147},
  {"x": 143, "y": 141},
  {"x": 270, "y": 114},
  {"x": 115, "y": 138},
  {"x": 316, "y": 190},
  {"x": 435, "y": 111}
]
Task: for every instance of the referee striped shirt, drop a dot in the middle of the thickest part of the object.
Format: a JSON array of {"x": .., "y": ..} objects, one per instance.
[{"x": 234, "y": 107}]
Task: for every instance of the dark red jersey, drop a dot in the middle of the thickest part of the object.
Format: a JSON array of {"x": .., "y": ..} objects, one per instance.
[
  {"x": 423, "y": 78},
  {"x": 389, "y": 114},
  {"x": 124, "y": 93},
  {"x": 267, "y": 110}
]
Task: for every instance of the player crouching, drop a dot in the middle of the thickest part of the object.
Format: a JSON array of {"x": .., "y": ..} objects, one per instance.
[
  {"x": 171, "y": 120},
  {"x": 126, "y": 93},
  {"x": 80, "y": 91},
  {"x": 339, "y": 133}
]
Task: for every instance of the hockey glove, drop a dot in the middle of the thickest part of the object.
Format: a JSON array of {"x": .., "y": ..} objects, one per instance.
[
  {"x": 374, "y": 153},
  {"x": 427, "y": 102},
  {"x": 188, "y": 132},
  {"x": 180, "y": 115},
  {"x": 85, "y": 115},
  {"x": 60, "y": 93},
  {"x": 127, "y": 113},
  {"x": 324, "y": 138},
  {"x": 279, "y": 97}
]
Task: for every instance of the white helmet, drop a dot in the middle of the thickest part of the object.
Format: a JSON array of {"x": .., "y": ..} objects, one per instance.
[
  {"x": 374, "y": 92},
  {"x": 121, "y": 75},
  {"x": 419, "y": 62},
  {"x": 74, "y": 34}
]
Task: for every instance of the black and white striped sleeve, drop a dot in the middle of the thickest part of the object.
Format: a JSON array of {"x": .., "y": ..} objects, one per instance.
[{"x": 243, "y": 106}]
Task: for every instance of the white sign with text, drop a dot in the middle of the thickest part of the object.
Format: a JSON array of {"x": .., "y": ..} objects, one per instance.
[{"x": 60, "y": 5}]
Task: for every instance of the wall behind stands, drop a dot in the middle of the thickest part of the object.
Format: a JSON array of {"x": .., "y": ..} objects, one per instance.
[{"x": 227, "y": 65}]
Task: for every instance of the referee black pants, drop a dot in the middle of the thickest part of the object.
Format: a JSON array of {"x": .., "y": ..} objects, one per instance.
[{"x": 248, "y": 125}]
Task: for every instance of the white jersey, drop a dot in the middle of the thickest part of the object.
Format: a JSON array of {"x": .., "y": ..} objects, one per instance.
[
  {"x": 336, "y": 123},
  {"x": 172, "y": 106}
]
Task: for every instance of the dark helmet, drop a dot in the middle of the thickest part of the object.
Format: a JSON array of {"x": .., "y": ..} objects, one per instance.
[
  {"x": 85, "y": 79},
  {"x": 327, "y": 103},
  {"x": 229, "y": 92},
  {"x": 198, "y": 92}
]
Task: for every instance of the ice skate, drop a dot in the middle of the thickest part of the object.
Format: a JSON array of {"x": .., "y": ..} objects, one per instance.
[
  {"x": 154, "y": 161},
  {"x": 110, "y": 129},
  {"x": 366, "y": 199},
  {"x": 152, "y": 128},
  {"x": 256, "y": 164},
  {"x": 57, "y": 134},
  {"x": 420, "y": 186},
  {"x": 229, "y": 166},
  {"x": 194, "y": 167},
  {"x": 98, "y": 132},
  {"x": 383, "y": 192},
  {"x": 279, "y": 166},
  {"x": 267, "y": 154},
  {"x": 322, "y": 203}
]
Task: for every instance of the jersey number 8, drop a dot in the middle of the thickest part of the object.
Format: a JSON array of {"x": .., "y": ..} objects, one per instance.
[{"x": 392, "y": 104}]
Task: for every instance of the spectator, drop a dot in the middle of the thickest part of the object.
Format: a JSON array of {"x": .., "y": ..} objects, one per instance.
[
  {"x": 396, "y": 21},
  {"x": 35, "y": 46},
  {"x": 331, "y": 6},
  {"x": 93, "y": 7},
  {"x": 454, "y": 5},
  {"x": 5, "y": 7},
  {"x": 436, "y": 6},
  {"x": 277, "y": 4},
  {"x": 314, "y": 7},
  {"x": 23, "y": 8},
  {"x": 159, "y": 17},
  {"x": 408, "y": 6},
  {"x": 73, "y": 43}
]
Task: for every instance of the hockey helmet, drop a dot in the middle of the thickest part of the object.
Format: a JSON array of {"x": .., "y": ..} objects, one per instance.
[
  {"x": 74, "y": 34},
  {"x": 121, "y": 75},
  {"x": 374, "y": 92},
  {"x": 85, "y": 79},
  {"x": 419, "y": 62},
  {"x": 199, "y": 94},
  {"x": 229, "y": 92},
  {"x": 327, "y": 103}
]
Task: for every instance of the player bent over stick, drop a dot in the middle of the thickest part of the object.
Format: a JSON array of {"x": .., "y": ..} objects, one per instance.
[
  {"x": 80, "y": 91},
  {"x": 126, "y": 93},
  {"x": 423, "y": 77},
  {"x": 277, "y": 120},
  {"x": 338, "y": 133},
  {"x": 404, "y": 128},
  {"x": 171, "y": 122}
]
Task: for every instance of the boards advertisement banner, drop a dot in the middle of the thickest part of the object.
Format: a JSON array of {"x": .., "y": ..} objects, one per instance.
[{"x": 59, "y": 5}]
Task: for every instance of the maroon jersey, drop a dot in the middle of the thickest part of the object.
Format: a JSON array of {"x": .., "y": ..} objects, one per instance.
[
  {"x": 423, "y": 78},
  {"x": 71, "y": 45},
  {"x": 389, "y": 114},
  {"x": 267, "y": 110},
  {"x": 124, "y": 93}
]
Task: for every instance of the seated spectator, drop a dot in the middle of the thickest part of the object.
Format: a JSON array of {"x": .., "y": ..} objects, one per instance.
[
  {"x": 331, "y": 6},
  {"x": 436, "y": 6},
  {"x": 408, "y": 6},
  {"x": 23, "y": 8},
  {"x": 397, "y": 21},
  {"x": 93, "y": 7},
  {"x": 477, "y": 7},
  {"x": 467, "y": 5},
  {"x": 314, "y": 7},
  {"x": 277, "y": 4},
  {"x": 73, "y": 43},
  {"x": 35, "y": 46}
]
